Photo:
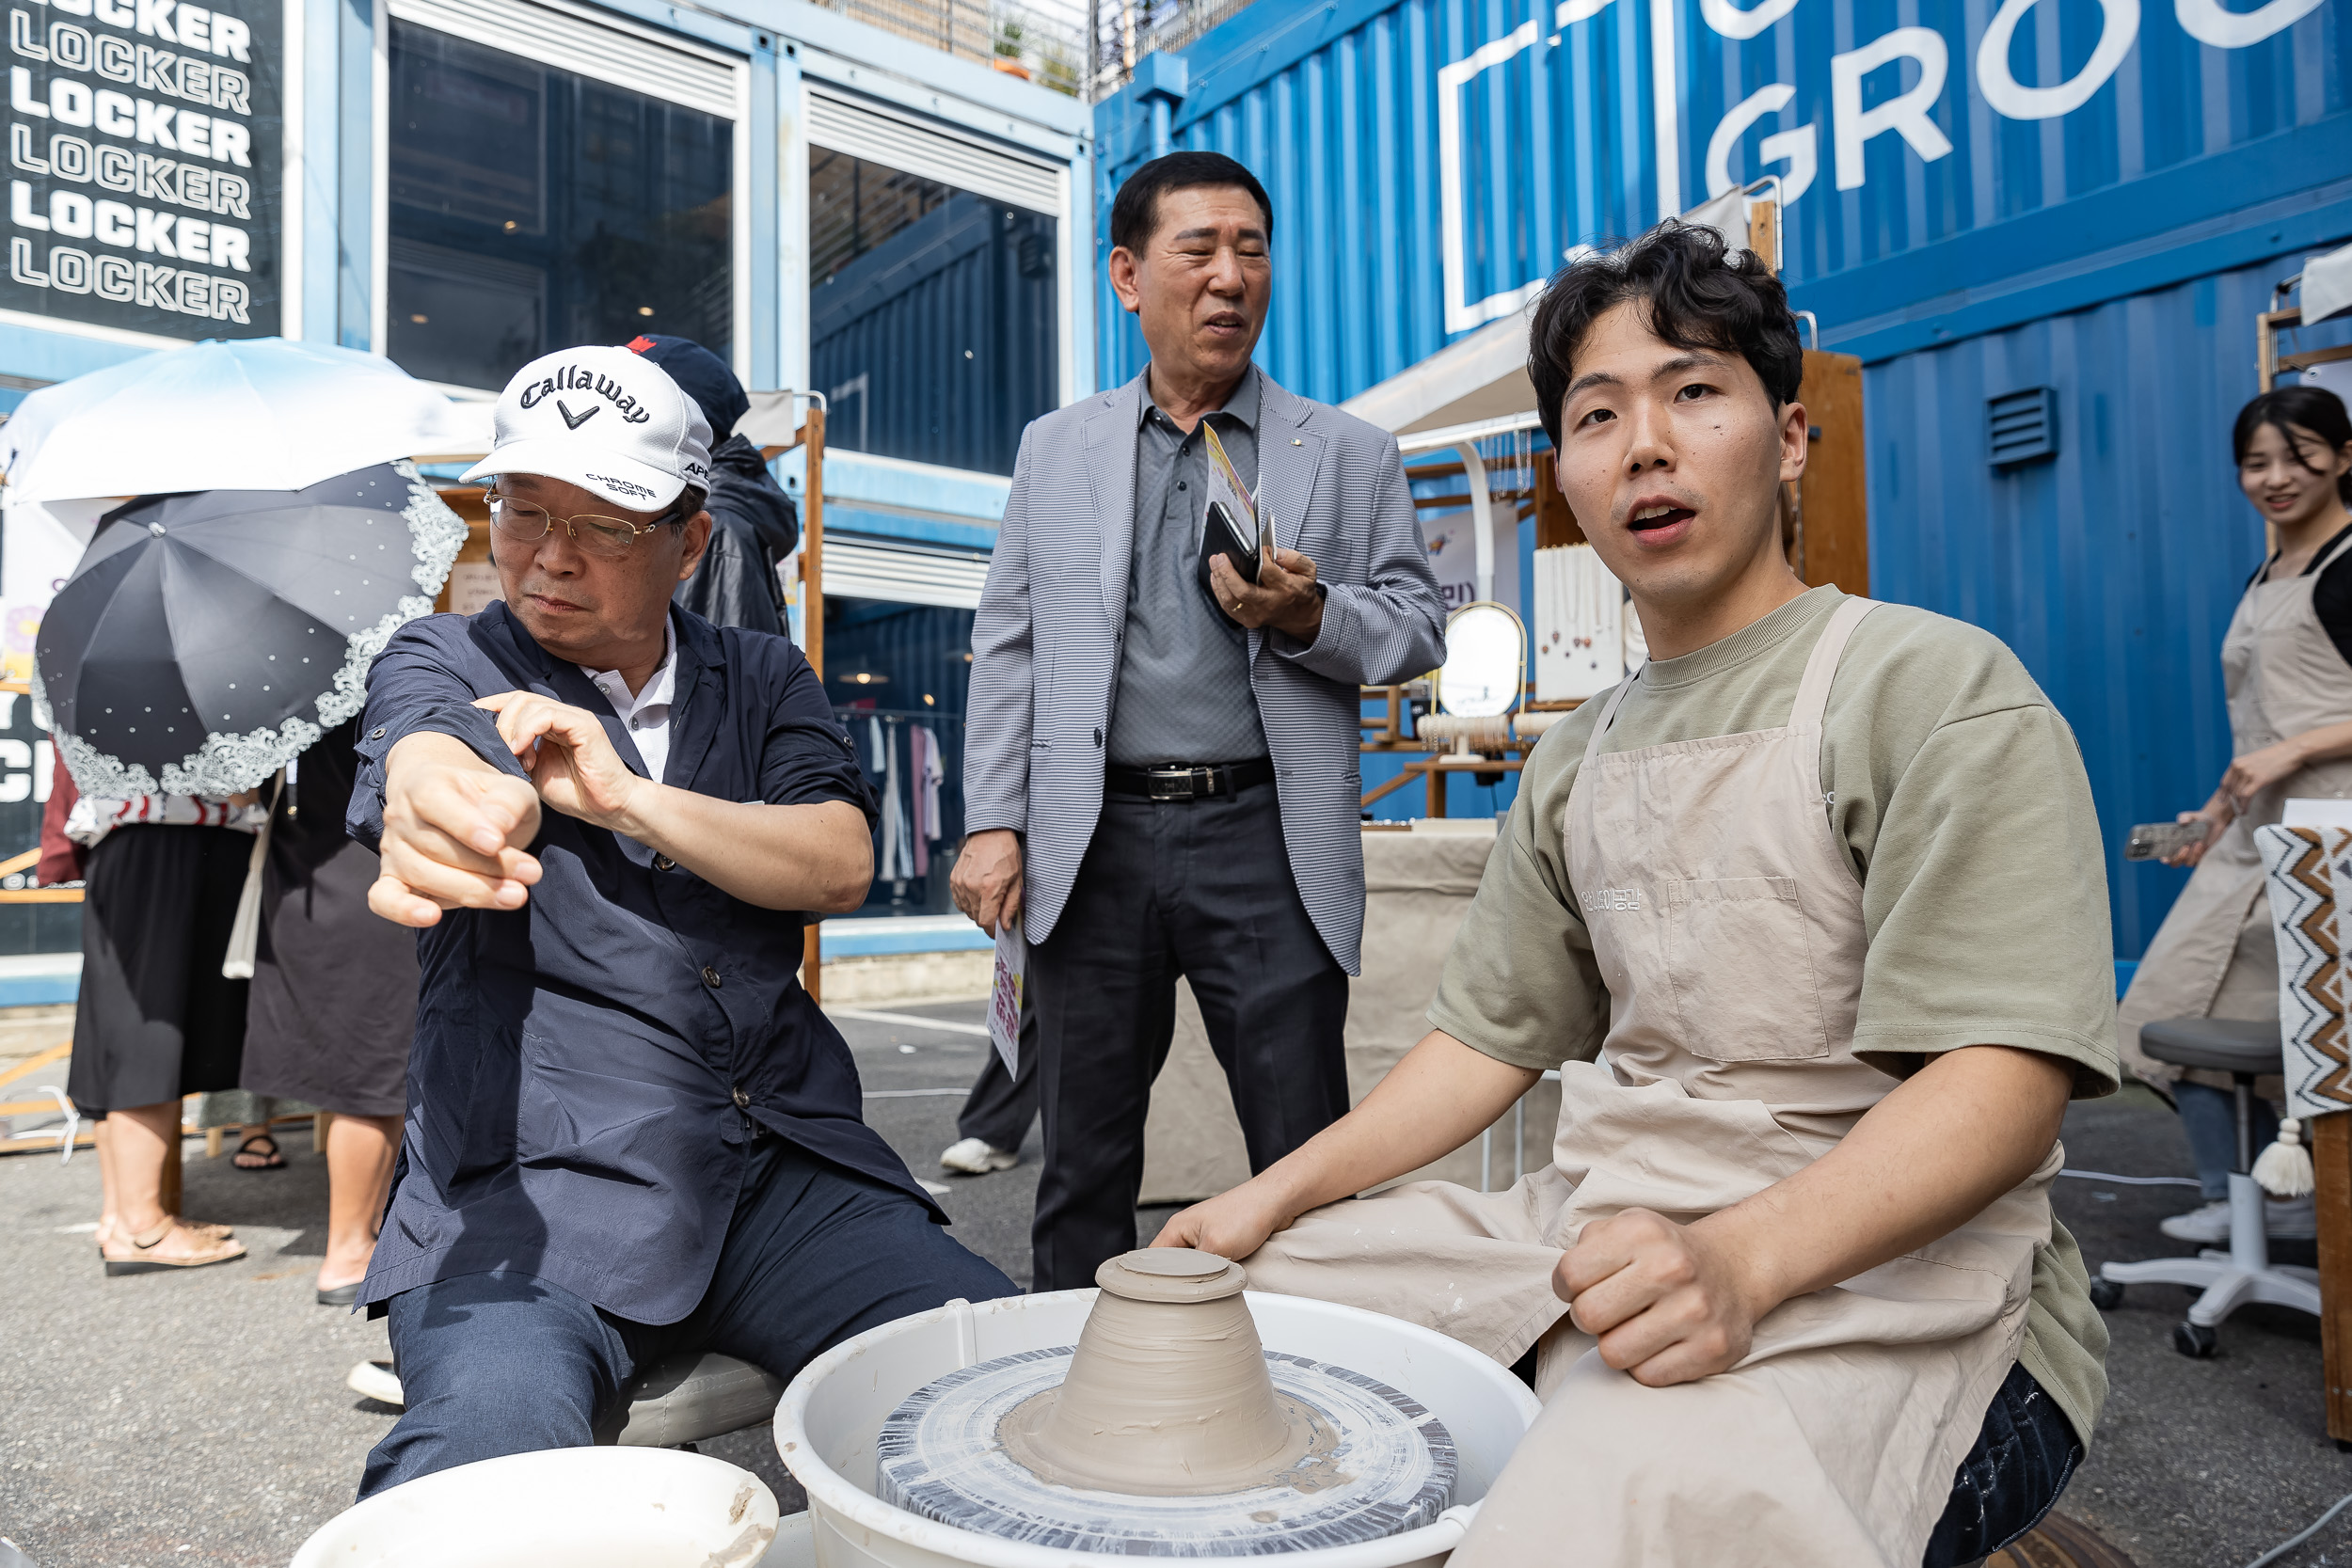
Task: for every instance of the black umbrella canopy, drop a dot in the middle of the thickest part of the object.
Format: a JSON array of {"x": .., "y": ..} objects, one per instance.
[{"x": 205, "y": 639}]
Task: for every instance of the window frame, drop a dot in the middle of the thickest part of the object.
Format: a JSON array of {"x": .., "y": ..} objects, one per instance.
[
  {"x": 951, "y": 164},
  {"x": 625, "y": 41}
]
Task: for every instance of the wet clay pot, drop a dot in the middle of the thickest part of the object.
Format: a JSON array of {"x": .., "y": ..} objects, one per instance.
[{"x": 1168, "y": 1393}]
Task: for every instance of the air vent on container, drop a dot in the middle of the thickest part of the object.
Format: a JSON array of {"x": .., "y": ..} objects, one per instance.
[{"x": 2021, "y": 427}]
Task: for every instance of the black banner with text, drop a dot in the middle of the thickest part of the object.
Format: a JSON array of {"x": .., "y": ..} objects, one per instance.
[{"x": 145, "y": 147}]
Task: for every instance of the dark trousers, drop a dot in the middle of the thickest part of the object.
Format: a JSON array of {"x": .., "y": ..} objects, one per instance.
[
  {"x": 1002, "y": 1104},
  {"x": 2025, "y": 1455},
  {"x": 505, "y": 1363},
  {"x": 1201, "y": 889}
]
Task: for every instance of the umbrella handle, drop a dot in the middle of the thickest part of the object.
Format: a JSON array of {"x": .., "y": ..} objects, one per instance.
[{"x": 245, "y": 930}]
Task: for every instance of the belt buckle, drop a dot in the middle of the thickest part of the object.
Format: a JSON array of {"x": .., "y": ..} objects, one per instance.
[{"x": 1179, "y": 784}]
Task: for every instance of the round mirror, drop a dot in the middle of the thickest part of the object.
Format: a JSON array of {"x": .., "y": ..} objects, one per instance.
[{"x": 1485, "y": 661}]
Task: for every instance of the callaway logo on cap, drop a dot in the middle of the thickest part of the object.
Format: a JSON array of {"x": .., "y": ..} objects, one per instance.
[{"x": 611, "y": 422}]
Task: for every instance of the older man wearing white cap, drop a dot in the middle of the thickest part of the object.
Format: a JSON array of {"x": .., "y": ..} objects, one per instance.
[{"x": 630, "y": 1132}]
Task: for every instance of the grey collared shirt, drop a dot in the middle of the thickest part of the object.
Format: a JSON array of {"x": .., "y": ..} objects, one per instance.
[{"x": 1184, "y": 669}]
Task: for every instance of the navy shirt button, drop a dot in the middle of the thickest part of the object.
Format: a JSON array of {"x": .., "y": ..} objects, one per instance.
[
  {"x": 711, "y": 978},
  {"x": 663, "y": 862},
  {"x": 741, "y": 1099},
  {"x": 376, "y": 734}
]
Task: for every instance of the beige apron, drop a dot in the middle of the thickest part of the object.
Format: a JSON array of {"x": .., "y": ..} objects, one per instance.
[
  {"x": 1728, "y": 923},
  {"x": 2214, "y": 954}
]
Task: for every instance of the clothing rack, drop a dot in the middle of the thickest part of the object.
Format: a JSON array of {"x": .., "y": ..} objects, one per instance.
[{"x": 908, "y": 756}]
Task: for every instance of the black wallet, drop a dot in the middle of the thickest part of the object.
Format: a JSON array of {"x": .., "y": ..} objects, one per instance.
[{"x": 1221, "y": 537}]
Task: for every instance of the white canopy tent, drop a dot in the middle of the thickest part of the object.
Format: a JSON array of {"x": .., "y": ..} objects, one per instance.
[{"x": 1457, "y": 396}]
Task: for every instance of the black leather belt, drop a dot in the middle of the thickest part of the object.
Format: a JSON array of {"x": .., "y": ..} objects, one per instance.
[{"x": 1188, "y": 781}]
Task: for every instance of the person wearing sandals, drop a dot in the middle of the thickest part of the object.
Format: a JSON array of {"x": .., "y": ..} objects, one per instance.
[
  {"x": 334, "y": 1001},
  {"x": 248, "y": 1115},
  {"x": 155, "y": 1020}
]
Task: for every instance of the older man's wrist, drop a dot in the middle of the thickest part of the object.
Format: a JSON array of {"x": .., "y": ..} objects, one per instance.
[{"x": 1306, "y": 627}]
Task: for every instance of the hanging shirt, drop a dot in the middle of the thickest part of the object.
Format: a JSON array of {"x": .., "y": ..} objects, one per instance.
[{"x": 646, "y": 714}]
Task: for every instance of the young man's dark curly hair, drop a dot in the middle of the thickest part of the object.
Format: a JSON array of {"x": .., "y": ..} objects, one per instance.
[{"x": 1698, "y": 295}]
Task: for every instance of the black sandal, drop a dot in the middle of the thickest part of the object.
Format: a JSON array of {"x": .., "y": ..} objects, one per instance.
[{"x": 270, "y": 1160}]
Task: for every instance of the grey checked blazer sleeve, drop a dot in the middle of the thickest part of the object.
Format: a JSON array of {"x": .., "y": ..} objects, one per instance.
[
  {"x": 1392, "y": 627},
  {"x": 1003, "y": 700}
]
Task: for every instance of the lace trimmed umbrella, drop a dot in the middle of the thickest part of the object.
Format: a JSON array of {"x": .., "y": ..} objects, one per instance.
[{"x": 207, "y": 639}]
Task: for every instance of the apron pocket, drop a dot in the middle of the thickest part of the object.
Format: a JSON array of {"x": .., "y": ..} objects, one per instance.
[{"x": 1743, "y": 972}]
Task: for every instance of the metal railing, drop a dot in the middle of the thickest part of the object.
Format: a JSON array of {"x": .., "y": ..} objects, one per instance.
[{"x": 1123, "y": 31}]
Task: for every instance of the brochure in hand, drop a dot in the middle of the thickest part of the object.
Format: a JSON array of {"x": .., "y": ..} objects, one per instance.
[{"x": 1233, "y": 527}]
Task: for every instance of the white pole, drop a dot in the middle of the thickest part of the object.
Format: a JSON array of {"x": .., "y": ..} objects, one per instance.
[{"x": 1481, "y": 517}]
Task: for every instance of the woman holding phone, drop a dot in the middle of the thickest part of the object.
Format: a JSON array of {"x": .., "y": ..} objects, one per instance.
[{"x": 2286, "y": 663}]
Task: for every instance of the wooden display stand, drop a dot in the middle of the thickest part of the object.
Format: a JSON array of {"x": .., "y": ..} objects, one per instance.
[{"x": 810, "y": 434}]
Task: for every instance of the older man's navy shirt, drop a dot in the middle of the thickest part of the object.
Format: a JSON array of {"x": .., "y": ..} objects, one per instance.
[{"x": 584, "y": 1066}]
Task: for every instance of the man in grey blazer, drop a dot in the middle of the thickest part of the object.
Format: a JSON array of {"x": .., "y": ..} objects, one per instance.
[{"x": 1161, "y": 773}]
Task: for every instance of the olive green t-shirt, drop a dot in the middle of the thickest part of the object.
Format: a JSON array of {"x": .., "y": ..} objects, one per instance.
[{"x": 1960, "y": 797}]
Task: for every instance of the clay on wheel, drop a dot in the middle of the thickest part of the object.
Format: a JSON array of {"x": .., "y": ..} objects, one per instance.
[{"x": 1167, "y": 1395}]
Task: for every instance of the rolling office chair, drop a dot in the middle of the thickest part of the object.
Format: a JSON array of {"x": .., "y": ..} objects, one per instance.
[{"x": 2244, "y": 1050}]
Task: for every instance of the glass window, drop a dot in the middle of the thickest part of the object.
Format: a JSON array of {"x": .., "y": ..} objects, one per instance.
[
  {"x": 931, "y": 315},
  {"x": 892, "y": 668},
  {"x": 532, "y": 209}
]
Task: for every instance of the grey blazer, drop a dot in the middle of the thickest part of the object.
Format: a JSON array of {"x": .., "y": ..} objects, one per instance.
[{"x": 1046, "y": 644}]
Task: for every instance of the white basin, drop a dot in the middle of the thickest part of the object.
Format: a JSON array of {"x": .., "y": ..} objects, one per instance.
[
  {"x": 583, "y": 1508},
  {"x": 831, "y": 1415}
]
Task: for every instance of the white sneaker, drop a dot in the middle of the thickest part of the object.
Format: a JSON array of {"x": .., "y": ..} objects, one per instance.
[
  {"x": 975, "y": 1157},
  {"x": 2208, "y": 1225},
  {"x": 375, "y": 1380},
  {"x": 2291, "y": 1219}
]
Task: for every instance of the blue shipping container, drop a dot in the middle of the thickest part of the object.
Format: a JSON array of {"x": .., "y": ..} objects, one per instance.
[{"x": 2093, "y": 197}]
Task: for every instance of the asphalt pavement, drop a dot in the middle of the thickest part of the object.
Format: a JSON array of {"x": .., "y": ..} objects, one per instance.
[{"x": 202, "y": 1418}]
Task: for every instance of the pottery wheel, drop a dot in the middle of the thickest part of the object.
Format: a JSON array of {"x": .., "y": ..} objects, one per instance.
[{"x": 1391, "y": 1468}]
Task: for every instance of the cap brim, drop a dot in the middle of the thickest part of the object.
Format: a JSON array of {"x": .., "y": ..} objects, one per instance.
[{"x": 623, "y": 481}]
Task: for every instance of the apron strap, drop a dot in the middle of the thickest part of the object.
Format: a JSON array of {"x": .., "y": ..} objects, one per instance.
[
  {"x": 2327, "y": 557},
  {"x": 1813, "y": 691},
  {"x": 1608, "y": 716}
]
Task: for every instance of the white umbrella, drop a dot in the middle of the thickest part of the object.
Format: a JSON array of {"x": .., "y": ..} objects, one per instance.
[{"x": 255, "y": 414}]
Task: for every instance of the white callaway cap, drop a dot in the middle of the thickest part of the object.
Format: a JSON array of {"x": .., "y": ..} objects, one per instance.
[{"x": 611, "y": 422}]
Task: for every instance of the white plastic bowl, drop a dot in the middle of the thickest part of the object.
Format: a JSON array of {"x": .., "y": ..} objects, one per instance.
[
  {"x": 833, "y": 1412},
  {"x": 580, "y": 1508}
]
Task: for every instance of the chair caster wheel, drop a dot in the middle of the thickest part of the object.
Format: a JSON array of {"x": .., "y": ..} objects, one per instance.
[
  {"x": 2195, "y": 1341},
  {"x": 2107, "y": 1294}
]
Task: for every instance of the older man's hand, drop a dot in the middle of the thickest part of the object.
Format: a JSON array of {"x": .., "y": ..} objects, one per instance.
[
  {"x": 986, "y": 882},
  {"x": 570, "y": 759},
  {"x": 455, "y": 833},
  {"x": 1284, "y": 597}
]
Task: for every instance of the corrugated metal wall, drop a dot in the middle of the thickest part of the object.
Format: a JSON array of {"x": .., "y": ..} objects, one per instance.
[
  {"x": 1431, "y": 159},
  {"x": 2103, "y": 214},
  {"x": 2111, "y": 568}
]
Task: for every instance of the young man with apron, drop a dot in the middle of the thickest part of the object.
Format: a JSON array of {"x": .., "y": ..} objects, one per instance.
[
  {"x": 2288, "y": 677},
  {"x": 1823, "y": 883}
]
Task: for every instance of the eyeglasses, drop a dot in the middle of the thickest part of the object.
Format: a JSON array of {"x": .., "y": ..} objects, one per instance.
[{"x": 605, "y": 538}]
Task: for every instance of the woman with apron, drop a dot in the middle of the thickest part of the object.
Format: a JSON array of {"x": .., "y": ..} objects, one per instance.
[
  {"x": 1791, "y": 1282},
  {"x": 2286, "y": 665}
]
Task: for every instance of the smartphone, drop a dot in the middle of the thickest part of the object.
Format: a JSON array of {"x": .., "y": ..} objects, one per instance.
[{"x": 2155, "y": 841}]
